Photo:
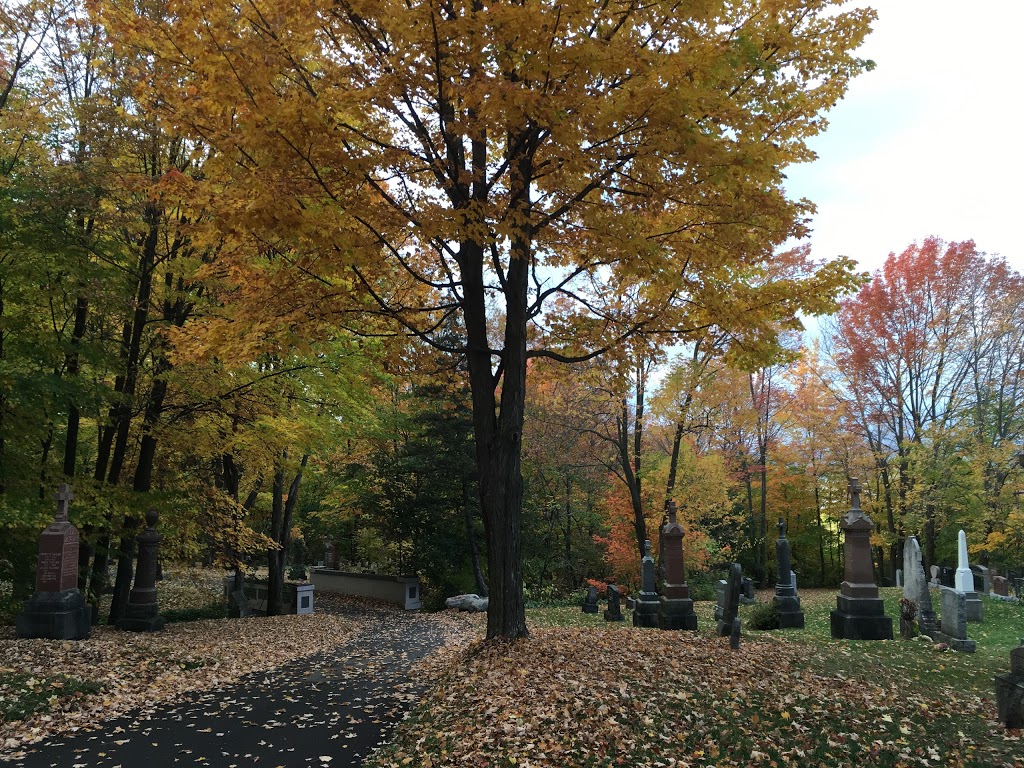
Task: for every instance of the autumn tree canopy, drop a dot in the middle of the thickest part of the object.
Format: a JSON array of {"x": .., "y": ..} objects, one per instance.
[{"x": 584, "y": 171}]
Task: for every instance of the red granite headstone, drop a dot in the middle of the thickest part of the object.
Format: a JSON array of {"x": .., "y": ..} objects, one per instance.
[
  {"x": 57, "y": 568},
  {"x": 57, "y": 609}
]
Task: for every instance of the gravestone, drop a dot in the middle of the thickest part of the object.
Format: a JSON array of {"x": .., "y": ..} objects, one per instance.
[
  {"x": 1010, "y": 691},
  {"x": 330, "y": 556},
  {"x": 590, "y": 601},
  {"x": 728, "y": 606},
  {"x": 982, "y": 579},
  {"x": 965, "y": 581},
  {"x": 1000, "y": 586},
  {"x": 953, "y": 630},
  {"x": 935, "y": 575},
  {"x": 614, "y": 611},
  {"x": 860, "y": 613},
  {"x": 947, "y": 577},
  {"x": 786, "y": 600},
  {"x": 916, "y": 588},
  {"x": 747, "y": 596},
  {"x": 734, "y": 634},
  {"x": 239, "y": 607},
  {"x": 675, "y": 608},
  {"x": 899, "y": 578},
  {"x": 142, "y": 613},
  {"x": 57, "y": 610},
  {"x": 645, "y": 610}
]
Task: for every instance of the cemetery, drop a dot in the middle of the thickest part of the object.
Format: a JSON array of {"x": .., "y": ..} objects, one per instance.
[{"x": 532, "y": 383}]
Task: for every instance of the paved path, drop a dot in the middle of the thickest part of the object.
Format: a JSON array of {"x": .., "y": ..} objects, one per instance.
[{"x": 328, "y": 710}]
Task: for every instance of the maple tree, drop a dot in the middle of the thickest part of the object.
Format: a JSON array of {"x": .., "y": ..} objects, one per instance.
[
  {"x": 911, "y": 342},
  {"x": 435, "y": 158}
]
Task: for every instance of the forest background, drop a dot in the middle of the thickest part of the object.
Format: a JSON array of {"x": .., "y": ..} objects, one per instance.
[{"x": 156, "y": 352}]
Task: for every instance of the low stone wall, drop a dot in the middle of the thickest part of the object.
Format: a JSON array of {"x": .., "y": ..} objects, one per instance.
[
  {"x": 403, "y": 590},
  {"x": 295, "y": 598}
]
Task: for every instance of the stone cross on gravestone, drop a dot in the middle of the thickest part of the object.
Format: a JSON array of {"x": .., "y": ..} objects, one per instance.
[
  {"x": 854, "y": 488},
  {"x": 64, "y": 499}
]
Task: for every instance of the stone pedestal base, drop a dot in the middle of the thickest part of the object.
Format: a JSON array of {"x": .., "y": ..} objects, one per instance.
[
  {"x": 143, "y": 617},
  {"x": 56, "y": 616},
  {"x": 614, "y": 616},
  {"x": 676, "y": 613},
  {"x": 1010, "y": 699},
  {"x": 590, "y": 607},
  {"x": 928, "y": 623},
  {"x": 790, "y": 615},
  {"x": 645, "y": 612},
  {"x": 860, "y": 618},
  {"x": 975, "y": 608}
]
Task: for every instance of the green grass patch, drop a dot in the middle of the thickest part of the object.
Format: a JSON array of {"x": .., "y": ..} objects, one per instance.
[{"x": 22, "y": 695}]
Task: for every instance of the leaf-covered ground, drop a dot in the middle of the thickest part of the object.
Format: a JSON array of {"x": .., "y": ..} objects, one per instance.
[
  {"x": 123, "y": 671},
  {"x": 583, "y": 692}
]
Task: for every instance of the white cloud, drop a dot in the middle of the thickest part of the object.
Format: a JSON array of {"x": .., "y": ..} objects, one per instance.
[{"x": 926, "y": 144}]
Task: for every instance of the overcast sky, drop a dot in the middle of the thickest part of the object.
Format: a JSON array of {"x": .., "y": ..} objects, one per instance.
[{"x": 929, "y": 143}]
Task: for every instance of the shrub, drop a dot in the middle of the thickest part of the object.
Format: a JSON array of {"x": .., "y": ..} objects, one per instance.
[{"x": 763, "y": 616}]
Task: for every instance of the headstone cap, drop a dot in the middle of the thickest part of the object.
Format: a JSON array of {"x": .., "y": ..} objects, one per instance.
[{"x": 151, "y": 518}]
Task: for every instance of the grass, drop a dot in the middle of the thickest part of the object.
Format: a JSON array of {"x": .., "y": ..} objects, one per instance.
[{"x": 22, "y": 694}]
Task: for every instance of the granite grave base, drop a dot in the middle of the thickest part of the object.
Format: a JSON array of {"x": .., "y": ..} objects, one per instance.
[
  {"x": 645, "y": 611},
  {"x": 55, "y": 615},
  {"x": 860, "y": 618},
  {"x": 141, "y": 617},
  {"x": 790, "y": 614},
  {"x": 676, "y": 613}
]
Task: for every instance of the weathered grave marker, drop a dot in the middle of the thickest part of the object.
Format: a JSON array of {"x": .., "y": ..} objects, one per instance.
[
  {"x": 786, "y": 600},
  {"x": 675, "y": 608},
  {"x": 1010, "y": 691},
  {"x": 965, "y": 581},
  {"x": 916, "y": 588},
  {"x": 645, "y": 609},
  {"x": 1000, "y": 586},
  {"x": 728, "y": 600},
  {"x": 57, "y": 610},
  {"x": 142, "y": 613},
  {"x": 953, "y": 630},
  {"x": 614, "y": 611},
  {"x": 590, "y": 601},
  {"x": 860, "y": 613}
]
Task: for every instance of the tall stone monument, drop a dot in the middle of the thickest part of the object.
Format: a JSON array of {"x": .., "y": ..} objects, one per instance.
[
  {"x": 645, "y": 612},
  {"x": 915, "y": 587},
  {"x": 57, "y": 610},
  {"x": 142, "y": 614},
  {"x": 786, "y": 600},
  {"x": 965, "y": 581},
  {"x": 675, "y": 609},
  {"x": 860, "y": 613}
]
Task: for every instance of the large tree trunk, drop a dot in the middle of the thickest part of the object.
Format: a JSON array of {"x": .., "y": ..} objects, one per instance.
[
  {"x": 474, "y": 550},
  {"x": 283, "y": 511}
]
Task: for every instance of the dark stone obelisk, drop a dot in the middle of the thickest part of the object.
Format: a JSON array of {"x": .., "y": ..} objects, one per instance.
[
  {"x": 645, "y": 612},
  {"x": 860, "y": 613},
  {"x": 57, "y": 610},
  {"x": 142, "y": 614},
  {"x": 787, "y": 601},
  {"x": 675, "y": 608}
]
